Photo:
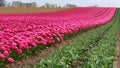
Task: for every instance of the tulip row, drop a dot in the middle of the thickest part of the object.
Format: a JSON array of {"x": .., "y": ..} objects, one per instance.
[
  {"x": 63, "y": 57},
  {"x": 103, "y": 55},
  {"x": 20, "y": 32}
]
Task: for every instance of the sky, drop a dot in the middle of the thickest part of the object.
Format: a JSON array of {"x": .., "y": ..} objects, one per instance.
[{"x": 81, "y": 3}]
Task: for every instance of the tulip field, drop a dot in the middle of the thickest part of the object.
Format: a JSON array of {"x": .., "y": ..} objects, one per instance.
[
  {"x": 93, "y": 50},
  {"x": 21, "y": 34}
]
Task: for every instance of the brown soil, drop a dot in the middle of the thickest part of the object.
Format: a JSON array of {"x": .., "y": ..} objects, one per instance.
[
  {"x": 117, "y": 61},
  {"x": 4, "y": 10},
  {"x": 26, "y": 63}
]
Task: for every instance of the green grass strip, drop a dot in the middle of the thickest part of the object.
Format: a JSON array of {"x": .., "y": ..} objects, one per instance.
[
  {"x": 102, "y": 56},
  {"x": 62, "y": 57}
]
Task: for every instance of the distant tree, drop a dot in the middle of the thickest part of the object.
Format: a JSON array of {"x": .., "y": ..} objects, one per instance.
[
  {"x": 54, "y": 5},
  {"x": 21, "y": 4},
  {"x": 33, "y": 4},
  {"x": 95, "y": 6},
  {"x": 70, "y": 6},
  {"x": 43, "y": 6},
  {"x": 8, "y": 5},
  {"x": 2, "y": 3},
  {"x": 28, "y": 4},
  {"x": 47, "y": 5},
  {"x": 59, "y": 7},
  {"x": 17, "y": 4}
]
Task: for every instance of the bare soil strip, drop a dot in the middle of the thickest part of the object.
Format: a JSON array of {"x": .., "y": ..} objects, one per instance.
[
  {"x": 8, "y": 10},
  {"x": 44, "y": 53},
  {"x": 117, "y": 58}
]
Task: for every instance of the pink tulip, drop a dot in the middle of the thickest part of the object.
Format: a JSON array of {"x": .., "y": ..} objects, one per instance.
[
  {"x": 19, "y": 51},
  {"x": 58, "y": 39},
  {"x": 53, "y": 41},
  {"x": 11, "y": 60},
  {"x": 24, "y": 31},
  {"x": 2, "y": 56},
  {"x": 43, "y": 43},
  {"x": 6, "y": 53}
]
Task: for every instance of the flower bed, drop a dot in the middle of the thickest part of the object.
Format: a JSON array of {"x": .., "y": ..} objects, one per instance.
[{"x": 20, "y": 32}]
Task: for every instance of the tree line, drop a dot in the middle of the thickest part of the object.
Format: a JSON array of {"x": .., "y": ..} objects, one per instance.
[{"x": 33, "y": 4}]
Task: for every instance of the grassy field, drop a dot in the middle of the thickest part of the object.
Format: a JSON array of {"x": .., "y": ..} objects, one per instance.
[{"x": 4, "y": 10}]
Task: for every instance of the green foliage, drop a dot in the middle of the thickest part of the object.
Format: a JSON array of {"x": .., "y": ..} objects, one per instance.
[
  {"x": 102, "y": 56},
  {"x": 62, "y": 57}
]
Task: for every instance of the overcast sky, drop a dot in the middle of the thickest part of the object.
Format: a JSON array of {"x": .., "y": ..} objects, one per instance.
[{"x": 106, "y": 3}]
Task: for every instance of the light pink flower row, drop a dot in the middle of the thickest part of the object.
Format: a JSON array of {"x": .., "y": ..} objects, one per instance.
[{"x": 24, "y": 31}]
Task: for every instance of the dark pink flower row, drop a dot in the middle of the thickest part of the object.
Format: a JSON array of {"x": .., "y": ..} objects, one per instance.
[{"x": 24, "y": 31}]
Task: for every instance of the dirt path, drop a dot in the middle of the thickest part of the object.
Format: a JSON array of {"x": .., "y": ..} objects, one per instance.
[
  {"x": 117, "y": 57},
  {"x": 45, "y": 52},
  {"x": 117, "y": 62}
]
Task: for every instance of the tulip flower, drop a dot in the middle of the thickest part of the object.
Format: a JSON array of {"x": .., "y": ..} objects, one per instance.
[
  {"x": 11, "y": 60},
  {"x": 25, "y": 31}
]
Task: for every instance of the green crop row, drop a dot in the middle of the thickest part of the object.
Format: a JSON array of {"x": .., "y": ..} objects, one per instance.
[
  {"x": 102, "y": 56},
  {"x": 62, "y": 57}
]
